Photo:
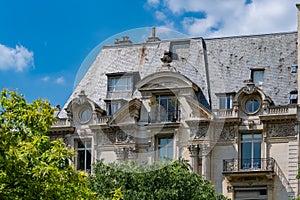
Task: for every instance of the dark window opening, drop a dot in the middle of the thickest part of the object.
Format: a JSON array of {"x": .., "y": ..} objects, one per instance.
[
  {"x": 294, "y": 69},
  {"x": 293, "y": 97},
  {"x": 83, "y": 155}
]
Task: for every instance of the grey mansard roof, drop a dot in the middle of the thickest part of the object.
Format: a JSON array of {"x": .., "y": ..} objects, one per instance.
[{"x": 217, "y": 65}]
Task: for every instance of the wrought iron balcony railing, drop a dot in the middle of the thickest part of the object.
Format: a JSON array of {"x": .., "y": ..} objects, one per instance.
[
  {"x": 246, "y": 165},
  {"x": 164, "y": 116}
]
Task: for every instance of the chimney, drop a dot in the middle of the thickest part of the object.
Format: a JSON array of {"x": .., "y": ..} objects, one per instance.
[
  {"x": 125, "y": 40},
  {"x": 153, "y": 37}
]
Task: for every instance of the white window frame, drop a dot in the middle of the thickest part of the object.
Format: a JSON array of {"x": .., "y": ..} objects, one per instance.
[
  {"x": 257, "y": 76},
  {"x": 227, "y": 102},
  {"x": 87, "y": 149},
  {"x": 169, "y": 147},
  {"x": 113, "y": 106},
  {"x": 115, "y": 83}
]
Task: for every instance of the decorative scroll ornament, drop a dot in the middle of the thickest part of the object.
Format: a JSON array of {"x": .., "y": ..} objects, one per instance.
[{"x": 250, "y": 88}]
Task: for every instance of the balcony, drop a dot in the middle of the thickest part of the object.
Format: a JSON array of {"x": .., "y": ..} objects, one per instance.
[
  {"x": 61, "y": 123},
  {"x": 248, "y": 165},
  {"x": 164, "y": 116},
  {"x": 224, "y": 113}
]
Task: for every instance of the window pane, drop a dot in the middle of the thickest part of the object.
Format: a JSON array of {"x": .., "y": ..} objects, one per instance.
[
  {"x": 258, "y": 76},
  {"x": 247, "y": 137},
  {"x": 257, "y": 136},
  {"x": 252, "y": 105},
  {"x": 246, "y": 155},
  {"x": 165, "y": 148},
  {"x": 80, "y": 144},
  {"x": 85, "y": 115},
  {"x": 122, "y": 83},
  {"x": 80, "y": 159},
  {"x": 88, "y": 144},
  {"x": 294, "y": 96},
  {"x": 170, "y": 152},
  {"x": 168, "y": 107},
  {"x": 162, "y": 141},
  {"x": 162, "y": 152},
  {"x": 222, "y": 103},
  {"x": 88, "y": 161},
  {"x": 246, "y": 150},
  {"x": 228, "y": 102},
  {"x": 225, "y": 102},
  {"x": 257, "y": 150}
]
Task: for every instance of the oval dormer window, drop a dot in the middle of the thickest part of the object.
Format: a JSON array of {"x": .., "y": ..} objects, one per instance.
[
  {"x": 85, "y": 115},
  {"x": 252, "y": 105}
]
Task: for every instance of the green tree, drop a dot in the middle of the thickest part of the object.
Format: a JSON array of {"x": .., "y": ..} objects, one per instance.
[
  {"x": 32, "y": 167},
  {"x": 170, "y": 180}
]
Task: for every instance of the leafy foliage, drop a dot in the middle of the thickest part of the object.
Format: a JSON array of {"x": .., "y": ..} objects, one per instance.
[
  {"x": 32, "y": 167},
  {"x": 172, "y": 180}
]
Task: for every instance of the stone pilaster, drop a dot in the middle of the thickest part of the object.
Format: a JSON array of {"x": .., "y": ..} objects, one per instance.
[{"x": 194, "y": 153}]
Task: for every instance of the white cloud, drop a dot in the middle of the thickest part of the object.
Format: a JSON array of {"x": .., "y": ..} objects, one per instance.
[
  {"x": 153, "y": 2},
  {"x": 60, "y": 80},
  {"x": 160, "y": 15},
  {"x": 45, "y": 79},
  {"x": 18, "y": 58},
  {"x": 232, "y": 17}
]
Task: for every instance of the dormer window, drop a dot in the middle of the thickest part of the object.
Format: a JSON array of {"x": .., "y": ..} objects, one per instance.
[
  {"x": 164, "y": 108},
  {"x": 294, "y": 69},
  {"x": 257, "y": 76},
  {"x": 113, "y": 106},
  {"x": 293, "y": 97},
  {"x": 252, "y": 105},
  {"x": 119, "y": 83},
  {"x": 225, "y": 100}
]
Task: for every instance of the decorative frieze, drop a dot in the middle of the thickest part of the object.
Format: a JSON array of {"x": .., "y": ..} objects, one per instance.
[
  {"x": 227, "y": 133},
  {"x": 281, "y": 129},
  {"x": 122, "y": 137},
  {"x": 201, "y": 132}
]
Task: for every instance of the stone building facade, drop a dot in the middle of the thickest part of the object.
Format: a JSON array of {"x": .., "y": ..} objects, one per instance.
[{"x": 228, "y": 105}]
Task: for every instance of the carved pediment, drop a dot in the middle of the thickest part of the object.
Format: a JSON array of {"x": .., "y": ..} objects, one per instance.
[{"x": 165, "y": 80}]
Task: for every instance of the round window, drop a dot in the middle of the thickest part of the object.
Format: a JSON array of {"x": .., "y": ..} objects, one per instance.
[
  {"x": 252, "y": 105},
  {"x": 85, "y": 115}
]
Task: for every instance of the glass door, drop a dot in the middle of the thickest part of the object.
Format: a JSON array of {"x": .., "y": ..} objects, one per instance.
[{"x": 251, "y": 150}]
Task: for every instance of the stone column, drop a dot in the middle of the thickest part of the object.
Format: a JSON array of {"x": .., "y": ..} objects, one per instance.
[
  {"x": 194, "y": 153},
  {"x": 142, "y": 144},
  {"x": 205, "y": 153}
]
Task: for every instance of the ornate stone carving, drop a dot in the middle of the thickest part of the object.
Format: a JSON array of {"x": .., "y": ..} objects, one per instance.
[
  {"x": 281, "y": 130},
  {"x": 122, "y": 137},
  {"x": 200, "y": 131},
  {"x": 250, "y": 88},
  {"x": 227, "y": 133},
  {"x": 194, "y": 150},
  {"x": 111, "y": 137}
]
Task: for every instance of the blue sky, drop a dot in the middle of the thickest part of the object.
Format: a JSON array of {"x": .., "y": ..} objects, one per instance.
[{"x": 43, "y": 43}]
